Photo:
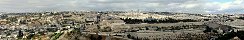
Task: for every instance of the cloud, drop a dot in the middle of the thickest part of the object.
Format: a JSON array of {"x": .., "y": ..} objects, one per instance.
[{"x": 187, "y": 6}]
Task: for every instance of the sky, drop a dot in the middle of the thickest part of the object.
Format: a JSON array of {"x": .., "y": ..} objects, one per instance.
[{"x": 186, "y": 6}]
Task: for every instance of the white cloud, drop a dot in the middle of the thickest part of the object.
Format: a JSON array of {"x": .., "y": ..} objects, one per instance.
[
  {"x": 224, "y": 6},
  {"x": 73, "y": 3},
  {"x": 102, "y": 0},
  {"x": 238, "y": 1},
  {"x": 4, "y": 1},
  {"x": 189, "y": 5},
  {"x": 152, "y": 4}
]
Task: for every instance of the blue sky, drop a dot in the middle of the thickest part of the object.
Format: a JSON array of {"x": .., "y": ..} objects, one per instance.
[{"x": 189, "y": 6}]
